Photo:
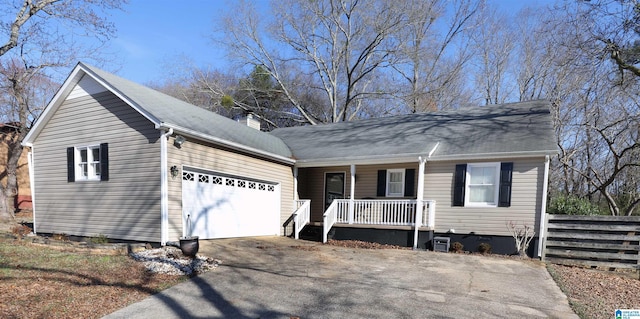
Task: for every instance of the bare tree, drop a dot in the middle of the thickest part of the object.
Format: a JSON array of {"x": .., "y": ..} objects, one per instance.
[
  {"x": 234, "y": 96},
  {"x": 345, "y": 46},
  {"x": 613, "y": 28},
  {"x": 564, "y": 55},
  {"x": 596, "y": 104},
  {"x": 495, "y": 44},
  {"x": 424, "y": 51},
  {"x": 36, "y": 38}
]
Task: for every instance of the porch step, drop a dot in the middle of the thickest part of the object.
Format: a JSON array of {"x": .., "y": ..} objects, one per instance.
[{"x": 311, "y": 233}]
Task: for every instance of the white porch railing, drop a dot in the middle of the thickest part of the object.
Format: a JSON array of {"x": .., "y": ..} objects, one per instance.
[
  {"x": 379, "y": 212},
  {"x": 302, "y": 216},
  {"x": 329, "y": 218}
]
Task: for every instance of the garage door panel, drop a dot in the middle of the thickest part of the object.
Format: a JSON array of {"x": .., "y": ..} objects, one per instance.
[{"x": 223, "y": 206}]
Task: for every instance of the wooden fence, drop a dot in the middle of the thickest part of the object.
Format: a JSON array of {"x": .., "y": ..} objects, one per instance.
[{"x": 604, "y": 241}]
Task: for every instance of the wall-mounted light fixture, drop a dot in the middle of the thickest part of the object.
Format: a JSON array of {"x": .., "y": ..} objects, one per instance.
[
  {"x": 174, "y": 171},
  {"x": 179, "y": 141}
]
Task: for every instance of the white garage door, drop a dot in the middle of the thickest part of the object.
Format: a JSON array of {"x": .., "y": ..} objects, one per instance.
[{"x": 216, "y": 205}]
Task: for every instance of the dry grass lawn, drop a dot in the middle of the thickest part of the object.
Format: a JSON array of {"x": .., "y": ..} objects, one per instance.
[{"x": 40, "y": 282}]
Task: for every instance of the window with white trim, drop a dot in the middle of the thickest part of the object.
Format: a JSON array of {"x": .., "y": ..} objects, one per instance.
[
  {"x": 88, "y": 163},
  {"x": 482, "y": 184},
  {"x": 395, "y": 182}
]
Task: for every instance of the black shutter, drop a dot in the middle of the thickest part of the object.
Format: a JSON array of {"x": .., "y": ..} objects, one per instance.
[
  {"x": 71, "y": 165},
  {"x": 104, "y": 162},
  {"x": 409, "y": 180},
  {"x": 506, "y": 172},
  {"x": 459, "y": 184},
  {"x": 382, "y": 183}
]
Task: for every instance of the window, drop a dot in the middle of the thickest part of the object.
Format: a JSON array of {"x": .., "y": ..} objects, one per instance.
[
  {"x": 399, "y": 182},
  {"x": 395, "y": 183},
  {"x": 483, "y": 185},
  {"x": 87, "y": 163}
]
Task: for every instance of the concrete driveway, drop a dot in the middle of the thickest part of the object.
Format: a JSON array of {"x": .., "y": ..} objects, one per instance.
[{"x": 277, "y": 277}]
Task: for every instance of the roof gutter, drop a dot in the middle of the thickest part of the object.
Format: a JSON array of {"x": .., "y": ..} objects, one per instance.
[
  {"x": 408, "y": 158},
  {"x": 358, "y": 160},
  {"x": 484, "y": 156},
  {"x": 227, "y": 143}
]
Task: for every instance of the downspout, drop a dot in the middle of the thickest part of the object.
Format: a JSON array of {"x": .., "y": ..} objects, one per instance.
[
  {"x": 433, "y": 150},
  {"x": 164, "y": 188},
  {"x": 543, "y": 209},
  {"x": 32, "y": 186}
]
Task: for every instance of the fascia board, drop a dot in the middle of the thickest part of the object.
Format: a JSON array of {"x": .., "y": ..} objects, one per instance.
[
  {"x": 484, "y": 156},
  {"x": 409, "y": 158},
  {"x": 360, "y": 160},
  {"x": 122, "y": 96},
  {"x": 64, "y": 91},
  {"x": 226, "y": 143},
  {"x": 55, "y": 102}
]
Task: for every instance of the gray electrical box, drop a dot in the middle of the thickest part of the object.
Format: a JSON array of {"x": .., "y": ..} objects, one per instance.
[{"x": 441, "y": 244}]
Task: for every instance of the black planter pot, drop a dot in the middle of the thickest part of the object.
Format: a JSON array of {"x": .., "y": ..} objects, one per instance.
[{"x": 189, "y": 246}]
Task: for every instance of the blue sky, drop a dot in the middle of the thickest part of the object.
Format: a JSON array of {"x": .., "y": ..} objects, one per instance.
[{"x": 153, "y": 35}]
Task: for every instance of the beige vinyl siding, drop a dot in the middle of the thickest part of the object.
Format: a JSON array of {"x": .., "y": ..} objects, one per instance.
[
  {"x": 215, "y": 158},
  {"x": 525, "y": 206},
  {"x": 311, "y": 183},
  {"x": 311, "y": 186},
  {"x": 125, "y": 207}
]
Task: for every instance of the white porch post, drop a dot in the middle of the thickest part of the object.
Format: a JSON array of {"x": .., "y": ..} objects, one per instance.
[
  {"x": 352, "y": 193},
  {"x": 295, "y": 183},
  {"x": 419, "y": 198},
  {"x": 543, "y": 209}
]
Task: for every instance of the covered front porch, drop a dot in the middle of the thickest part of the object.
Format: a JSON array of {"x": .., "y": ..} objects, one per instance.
[
  {"x": 372, "y": 214},
  {"x": 380, "y": 196}
]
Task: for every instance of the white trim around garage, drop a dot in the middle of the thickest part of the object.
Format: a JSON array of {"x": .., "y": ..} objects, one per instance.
[{"x": 221, "y": 205}]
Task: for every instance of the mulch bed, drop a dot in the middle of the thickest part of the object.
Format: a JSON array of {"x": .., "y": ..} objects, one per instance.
[{"x": 362, "y": 244}]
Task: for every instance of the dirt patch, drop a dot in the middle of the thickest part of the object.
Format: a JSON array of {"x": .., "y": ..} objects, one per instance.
[
  {"x": 305, "y": 248},
  {"x": 595, "y": 294}
]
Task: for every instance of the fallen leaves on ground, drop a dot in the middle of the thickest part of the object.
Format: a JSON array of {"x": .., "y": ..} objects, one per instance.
[
  {"x": 38, "y": 282},
  {"x": 596, "y": 294}
]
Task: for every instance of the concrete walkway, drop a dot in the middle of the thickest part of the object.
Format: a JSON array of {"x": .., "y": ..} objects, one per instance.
[{"x": 276, "y": 277}]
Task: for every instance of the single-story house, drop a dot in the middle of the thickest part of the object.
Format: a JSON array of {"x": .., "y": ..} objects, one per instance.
[{"x": 117, "y": 159}]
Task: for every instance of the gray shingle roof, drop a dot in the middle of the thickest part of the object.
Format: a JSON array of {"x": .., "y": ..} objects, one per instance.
[
  {"x": 497, "y": 130},
  {"x": 173, "y": 112}
]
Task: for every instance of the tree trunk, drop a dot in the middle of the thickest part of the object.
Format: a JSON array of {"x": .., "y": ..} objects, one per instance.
[{"x": 9, "y": 191}]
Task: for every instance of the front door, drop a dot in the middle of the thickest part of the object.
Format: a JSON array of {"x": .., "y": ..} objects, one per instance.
[{"x": 333, "y": 187}]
